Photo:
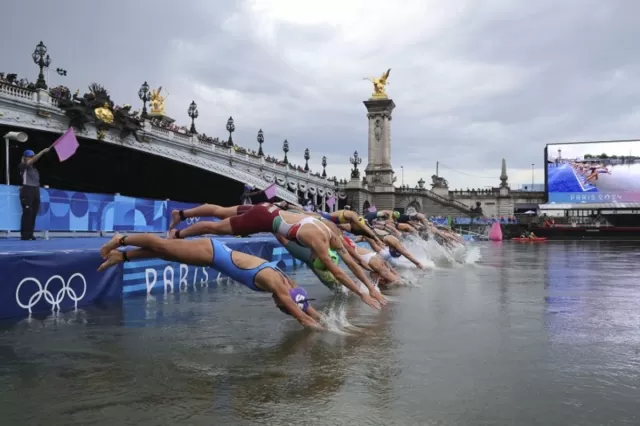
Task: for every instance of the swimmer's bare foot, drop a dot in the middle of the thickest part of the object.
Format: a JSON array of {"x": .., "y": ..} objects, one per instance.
[
  {"x": 175, "y": 219},
  {"x": 113, "y": 258},
  {"x": 113, "y": 244}
]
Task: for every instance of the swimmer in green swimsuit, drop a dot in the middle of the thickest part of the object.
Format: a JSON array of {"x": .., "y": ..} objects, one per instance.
[{"x": 306, "y": 255}]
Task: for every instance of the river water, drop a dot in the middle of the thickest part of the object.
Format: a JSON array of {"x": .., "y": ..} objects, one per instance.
[{"x": 528, "y": 334}]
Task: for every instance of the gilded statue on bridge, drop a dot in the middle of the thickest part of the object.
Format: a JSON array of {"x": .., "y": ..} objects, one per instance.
[
  {"x": 379, "y": 84},
  {"x": 157, "y": 102}
]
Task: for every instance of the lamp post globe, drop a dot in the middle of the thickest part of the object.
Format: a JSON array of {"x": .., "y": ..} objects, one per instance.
[
  {"x": 230, "y": 128},
  {"x": 285, "y": 148},
  {"x": 145, "y": 97},
  {"x": 307, "y": 156},
  {"x": 260, "y": 139},
  {"x": 193, "y": 114},
  {"x": 42, "y": 60}
]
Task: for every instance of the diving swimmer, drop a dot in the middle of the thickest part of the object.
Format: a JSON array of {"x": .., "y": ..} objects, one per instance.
[
  {"x": 255, "y": 273},
  {"x": 373, "y": 261},
  {"x": 358, "y": 224},
  {"x": 395, "y": 248},
  {"x": 305, "y": 255},
  {"x": 266, "y": 217}
]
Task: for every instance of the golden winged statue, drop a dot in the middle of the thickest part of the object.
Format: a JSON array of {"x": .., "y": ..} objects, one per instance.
[
  {"x": 379, "y": 84},
  {"x": 157, "y": 102}
]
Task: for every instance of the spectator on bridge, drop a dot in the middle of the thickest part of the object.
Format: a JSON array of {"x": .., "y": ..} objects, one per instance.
[{"x": 29, "y": 192}]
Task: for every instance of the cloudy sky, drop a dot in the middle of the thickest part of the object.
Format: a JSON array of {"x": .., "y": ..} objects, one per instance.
[
  {"x": 579, "y": 150},
  {"x": 473, "y": 81}
]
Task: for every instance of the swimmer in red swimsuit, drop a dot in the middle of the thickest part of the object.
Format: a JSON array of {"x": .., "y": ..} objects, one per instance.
[
  {"x": 307, "y": 231},
  {"x": 255, "y": 273}
]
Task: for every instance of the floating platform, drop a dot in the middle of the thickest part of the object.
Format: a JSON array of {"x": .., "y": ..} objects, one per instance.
[{"x": 60, "y": 274}]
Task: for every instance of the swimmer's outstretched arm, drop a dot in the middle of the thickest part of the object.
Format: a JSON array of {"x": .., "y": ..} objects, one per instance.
[
  {"x": 345, "y": 253},
  {"x": 392, "y": 229},
  {"x": 386, "y": 273},
  {"x": 321, "y": 253},
  {"x": 282, "y": 295},
  {"x": 375, "y": 246},
  {"x": 403, "y": 251}
]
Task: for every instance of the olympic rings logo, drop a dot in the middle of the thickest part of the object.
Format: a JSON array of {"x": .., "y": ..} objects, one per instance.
[
  {"x": 192, "y": 220},
  {"x": 43, "y": 291}
]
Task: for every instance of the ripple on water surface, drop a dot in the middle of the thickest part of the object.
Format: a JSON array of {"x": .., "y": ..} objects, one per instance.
[{"x": 501, "y": 333}]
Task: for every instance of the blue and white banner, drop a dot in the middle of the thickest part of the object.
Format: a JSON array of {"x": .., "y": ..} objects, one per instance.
[{"x": 49, "y": 283}]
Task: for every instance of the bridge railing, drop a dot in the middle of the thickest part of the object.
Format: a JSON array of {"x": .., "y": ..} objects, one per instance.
[{"x": 41, "y": 97}]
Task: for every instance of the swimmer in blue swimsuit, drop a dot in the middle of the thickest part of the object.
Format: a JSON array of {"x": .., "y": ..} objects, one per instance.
[{"x": 251, "y": 271}]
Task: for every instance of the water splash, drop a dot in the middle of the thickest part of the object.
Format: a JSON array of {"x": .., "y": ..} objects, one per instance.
[
  {"x": 335, "y": 316},
  {"x": 433, "y": 254}
]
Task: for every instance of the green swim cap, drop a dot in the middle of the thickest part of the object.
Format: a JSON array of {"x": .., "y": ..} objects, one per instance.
[
  {"x": 396, "y": 215},
  {"x": 317, "y": 263}
]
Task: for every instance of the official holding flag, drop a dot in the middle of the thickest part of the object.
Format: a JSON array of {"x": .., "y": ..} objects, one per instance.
[
  {"x": 65, "y": 147},
  {"x": 29, "y": 192}
]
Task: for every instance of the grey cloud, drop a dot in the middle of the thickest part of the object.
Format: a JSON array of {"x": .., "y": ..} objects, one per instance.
[{"x": 569, "y": 71}]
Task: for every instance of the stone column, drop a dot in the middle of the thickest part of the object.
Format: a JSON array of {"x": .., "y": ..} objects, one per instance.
[{"x": 379, "y": 171}]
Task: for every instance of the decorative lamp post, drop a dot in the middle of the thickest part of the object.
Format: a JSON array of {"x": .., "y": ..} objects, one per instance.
[
  {"x": 324, "y": 167},
  {"x": 260, "y": 140},
  {"x": 193, "y": 113},
  {"x": 356, "y": 161},
  {"x": 306, "y": 160},
  {"x": 230, "y": 128},
  {"x": 421, "y": 183},
  {"x": 145, "y": 97},
  {"x": 285, "y": 148},
  {"x": 42, "y": 60}
]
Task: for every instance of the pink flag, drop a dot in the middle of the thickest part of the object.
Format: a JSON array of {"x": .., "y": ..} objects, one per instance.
[
  {"x": 331, "y": 202},
  {"x": 66, "y": 145},
  {"x": 270, "y": 191},
  {"x": 373, "y": 209}
]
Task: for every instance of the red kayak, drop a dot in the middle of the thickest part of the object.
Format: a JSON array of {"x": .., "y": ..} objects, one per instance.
[{"x": 533, "y": 240}]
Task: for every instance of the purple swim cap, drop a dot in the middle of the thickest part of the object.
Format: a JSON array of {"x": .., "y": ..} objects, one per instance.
[{"x": 298, "y": 295}]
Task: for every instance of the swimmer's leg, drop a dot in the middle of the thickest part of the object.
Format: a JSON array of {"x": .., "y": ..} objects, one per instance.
[
  {"x": 222, "y": 227},
  {"x": 193, "y": 252},
  {"x": 205, "y": 210}
]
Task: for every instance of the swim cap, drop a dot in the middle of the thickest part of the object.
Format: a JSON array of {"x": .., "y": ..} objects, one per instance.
[
  {"x": 396, "y": 215},
  {"x": 298, "y": 295},
  {"x": 28, "y": 153},
  {"x": 317, "y": 263},
  {"x": 394, "y": 253},
  {"x": 348, "y": 241}
]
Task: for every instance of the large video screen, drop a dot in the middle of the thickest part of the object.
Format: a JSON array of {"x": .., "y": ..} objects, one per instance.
[{"x": 593, "y": 172}]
